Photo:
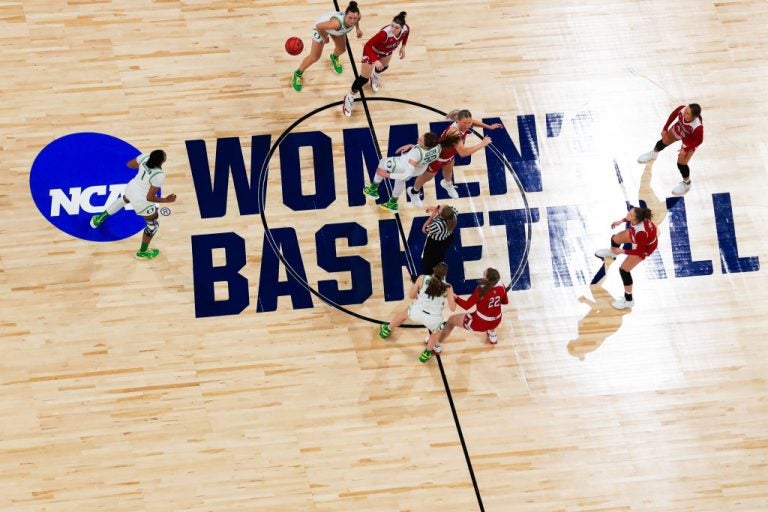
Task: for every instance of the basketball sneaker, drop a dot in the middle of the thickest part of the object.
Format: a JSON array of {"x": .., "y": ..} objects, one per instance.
[
  {"x": 647, "y": 157},
  {"x": 384, "y": 331},
  {"x": 375, "y": 81},
  {"x": 681, "y": 189},
  {"x": 296, "y": 80},
  {"x": 390, "y": 205},
  {"x": 336, "y": 64},
  {"x": 448, "y": 186},
  {"x": 438, "y": 348},
  {"x": 623, "y": 303},
  {"x": 604, "y": 253},
  {"x": 425, "y": 356},
  {"x": 372, "y": 190},
  {"x": 492, "y": 338},
  {"x": 417, "y": 198},
  {"x": 346, "y": 107},
  {"x": 149, "y": 254},
  {"x": 98, "y": 220}
]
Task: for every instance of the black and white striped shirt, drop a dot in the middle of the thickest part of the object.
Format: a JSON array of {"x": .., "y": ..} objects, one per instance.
[{"x": 438, "y": 228}]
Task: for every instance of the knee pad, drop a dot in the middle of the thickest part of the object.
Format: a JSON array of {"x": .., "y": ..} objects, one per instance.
[
  {"x": 358, "y": 84},
  {"x": 626, "y": 277},
  {"x": 151, "y": 228},
  {"x": 685, "y": 171}
]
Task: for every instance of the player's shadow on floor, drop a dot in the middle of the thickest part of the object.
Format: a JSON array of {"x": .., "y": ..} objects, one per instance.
[
  {"x": 600, "y": 322},
  {"x": 647, "y": 195}
]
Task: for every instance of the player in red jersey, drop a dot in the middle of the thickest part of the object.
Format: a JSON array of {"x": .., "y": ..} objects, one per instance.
[
  {"x": 377, "y": 53},
  {"x": 462, "y": 123},
  {"x": 488, "y": 297},
  {"x": 642, "y": 234},
  {"x": 689, "y": 128}
]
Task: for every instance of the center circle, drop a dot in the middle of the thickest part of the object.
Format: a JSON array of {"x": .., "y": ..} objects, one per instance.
[{"x": 262, "y": 195}]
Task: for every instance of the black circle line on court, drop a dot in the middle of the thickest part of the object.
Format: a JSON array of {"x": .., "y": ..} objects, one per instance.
[{"x": 262, "y": 194}]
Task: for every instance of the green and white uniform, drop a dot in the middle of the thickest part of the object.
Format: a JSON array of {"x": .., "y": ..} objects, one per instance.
[
  {"x": 400, "y": 168},
  {"x": 426, "y": 310},
  {"x": 327, "y": 17},
  {"x": 137, "y": 189}
]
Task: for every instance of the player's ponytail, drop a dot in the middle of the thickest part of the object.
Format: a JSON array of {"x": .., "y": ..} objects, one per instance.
[
  {"x": 463, "y": 114},
  {"x": 458, "y": 114},
  {"x": 643, "y": 214},
  {"x": 352, "y": 7},
  {"x": 437, "y": 285},
  {"x": 696, "y": 110},
  {"x": 400, "y": 19},
  {"x": 450, "y": 139},
  {"x": 430, "y": 140},
  {"x": 488, "y": 281},
  {"x": 156, "y": 159}
]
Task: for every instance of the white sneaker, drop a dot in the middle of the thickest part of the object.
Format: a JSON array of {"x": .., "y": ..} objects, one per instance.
[
  {"x": 375, "y": 81},
  {"x": 622, "y": 303},
  {"x": 349, "y": 100},
  {"x": 681, "y": 189},
  {"x": 417, "y": 198},
  {"x": 604, "y": 253},
  {"x": 492, "y": 338},
  {"x": 438, "y": 346},
  {"x": 448, "y": 186},
  {"x": 647, "y": 157}
]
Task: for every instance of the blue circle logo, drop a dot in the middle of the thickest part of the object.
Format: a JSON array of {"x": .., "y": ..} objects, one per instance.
[{"x": 77, "y": 176}]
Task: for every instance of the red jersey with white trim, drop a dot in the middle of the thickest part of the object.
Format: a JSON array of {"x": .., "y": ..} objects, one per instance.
[
  {"x": 385, "y": 42},
  {"x": 643, "y": 235},
  {"x": 692, "y": 134},
  {"x": 447, "y": 154},
  {"x": 490, "y": 305}
]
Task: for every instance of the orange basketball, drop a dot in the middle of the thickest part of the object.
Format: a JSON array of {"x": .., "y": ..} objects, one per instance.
[{"x": 294, "y": 45}]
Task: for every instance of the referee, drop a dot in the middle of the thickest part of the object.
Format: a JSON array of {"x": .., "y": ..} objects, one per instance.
[{"x": 439, "y": 229}]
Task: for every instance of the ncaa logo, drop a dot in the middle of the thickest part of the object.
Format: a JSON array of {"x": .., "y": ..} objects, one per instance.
[{"x": 76, "y": 176}]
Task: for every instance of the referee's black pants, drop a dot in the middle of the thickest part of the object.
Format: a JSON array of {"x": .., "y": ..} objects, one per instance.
[{"x": 434, "y": 253}]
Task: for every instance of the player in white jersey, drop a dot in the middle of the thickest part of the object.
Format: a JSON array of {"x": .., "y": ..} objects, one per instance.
[
  {"x": 430, "y": 294},
  {"x": 141, "y": 192},
  {"x": 332, "y": 25},
  {"x": 409, "y": 165}
]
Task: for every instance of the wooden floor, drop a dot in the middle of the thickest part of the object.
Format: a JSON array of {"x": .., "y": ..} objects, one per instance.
[{"x": 116, "y": 396}]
